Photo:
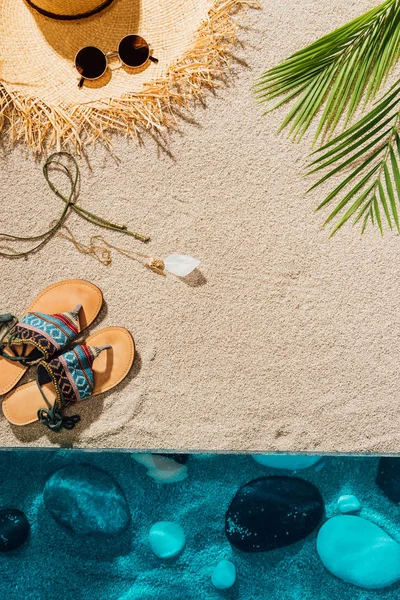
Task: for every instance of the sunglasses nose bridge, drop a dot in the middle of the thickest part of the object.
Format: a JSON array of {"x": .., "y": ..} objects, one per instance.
[{"x": 112, "y": 54}]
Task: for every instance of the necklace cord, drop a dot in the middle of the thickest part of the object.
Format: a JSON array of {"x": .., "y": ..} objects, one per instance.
[{"x": 73, "y": 176}]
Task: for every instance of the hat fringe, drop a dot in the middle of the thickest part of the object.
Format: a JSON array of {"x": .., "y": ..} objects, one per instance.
[{"x": 155, "y": 109}]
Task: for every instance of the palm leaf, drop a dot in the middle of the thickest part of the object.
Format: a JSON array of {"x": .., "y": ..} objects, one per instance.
[
  {"x": 335, "y": 74},
  {"x": 370, "y": 151}
]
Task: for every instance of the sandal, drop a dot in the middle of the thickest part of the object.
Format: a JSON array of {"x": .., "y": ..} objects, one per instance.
[
  {"x": 52, "y": 321},
  {"x": 85, "y": 371}
]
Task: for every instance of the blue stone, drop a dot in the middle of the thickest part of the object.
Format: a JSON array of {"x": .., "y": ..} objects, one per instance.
[
  {"x": 224, "y": 575},
  {"x": 167, "y": 539},
  {"x": 286, "y": 461},
  {"x": 359, "y": 552},
  {"x": 273, "y": 512},
  {"x": 14, "y": 529},
  {"x": 86, "y": 500},
  {"x": 348, "y": 503}
]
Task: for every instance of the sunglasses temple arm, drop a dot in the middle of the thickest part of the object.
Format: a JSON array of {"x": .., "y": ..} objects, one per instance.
[
  {"x": 153, "y": 59},
  {"x": 81, "y": 82}
]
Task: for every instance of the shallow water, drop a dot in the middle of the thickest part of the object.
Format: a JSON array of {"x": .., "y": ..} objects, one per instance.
[{"x": 56, "y": 563}]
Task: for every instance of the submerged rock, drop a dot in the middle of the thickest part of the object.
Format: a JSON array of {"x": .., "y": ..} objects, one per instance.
[
  {"x": 359, "y": 552},
  {"x": 348, "y": 503},
  {"x": 273, "y": 512},
  {"x": 86, "y": 500},
  {"x": 224, "y": 575},
  {"x": 179, "y": 458},
  {"x": 162, "y": 469},
  {"x": 167, "y": 539},
  {"x": 388, "y": 477},
  {"x": 14, "y": 529},
  {"x": 286, "y": 461}
]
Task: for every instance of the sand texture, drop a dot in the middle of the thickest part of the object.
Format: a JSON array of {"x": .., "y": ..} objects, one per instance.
[{"x": 284, "y": 340}]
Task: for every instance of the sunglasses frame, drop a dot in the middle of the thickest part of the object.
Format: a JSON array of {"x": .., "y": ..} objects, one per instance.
[{"x": 114, "y": 54}]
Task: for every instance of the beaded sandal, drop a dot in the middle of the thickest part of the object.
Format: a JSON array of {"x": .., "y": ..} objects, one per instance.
[
  {"x": 53, "y": 320},
  {"x": 85, "y": 371}
]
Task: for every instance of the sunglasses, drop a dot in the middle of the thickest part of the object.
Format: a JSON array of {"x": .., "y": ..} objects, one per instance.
[{"x": 91, "y": 62}]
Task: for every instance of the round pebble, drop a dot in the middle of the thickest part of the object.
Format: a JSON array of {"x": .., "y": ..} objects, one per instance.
[
  {"x": 224, "y": 575},
  {"x": 285, "y": 461},
  {"x": 359, "y": 552},
  {"x": 14, "y": 529},
  {"x": 348, "y": 503},
  {"x": 273, "y": 512},
  {"x": 86, "y": 500},
  {"x": 167, "y": 539}
]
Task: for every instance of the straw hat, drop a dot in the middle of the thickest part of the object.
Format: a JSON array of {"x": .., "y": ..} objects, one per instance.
[{"x": 39, "y": 95}]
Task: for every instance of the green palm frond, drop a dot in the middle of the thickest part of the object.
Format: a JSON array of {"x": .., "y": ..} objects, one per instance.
[
  {"x": 335, "y": 74},
  {"x": 370, "y": 151}
]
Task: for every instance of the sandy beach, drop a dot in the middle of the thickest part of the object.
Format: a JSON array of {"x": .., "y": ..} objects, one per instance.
[{"x": 283, "y": 340}]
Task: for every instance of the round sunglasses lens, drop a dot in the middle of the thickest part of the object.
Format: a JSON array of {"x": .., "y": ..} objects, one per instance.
[
  {"x": 90, "y": 62},
  {"x": 134, "y": 51}
]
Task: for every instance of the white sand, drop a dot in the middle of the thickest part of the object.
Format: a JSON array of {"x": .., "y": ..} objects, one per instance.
[{"x": 289, "y": 342}]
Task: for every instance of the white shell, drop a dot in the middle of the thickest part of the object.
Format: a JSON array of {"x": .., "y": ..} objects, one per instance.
[{"x": 180, "y": 265}]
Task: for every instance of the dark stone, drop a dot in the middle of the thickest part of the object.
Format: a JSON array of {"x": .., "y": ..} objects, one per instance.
[
  {"x": 179, "y": 458},
  {"x": 14, "y": 529},
  {"x": 388, "y": 477},
  {"x": 86, "y": 500},
  {"x": 273, "y": 512}
]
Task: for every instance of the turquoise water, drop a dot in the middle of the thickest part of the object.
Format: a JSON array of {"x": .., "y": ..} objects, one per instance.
[{"x": 89, "y": 535}]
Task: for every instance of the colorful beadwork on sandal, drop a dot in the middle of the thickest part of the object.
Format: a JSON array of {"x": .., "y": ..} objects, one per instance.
[
  {"x": 72, "y": 377},
  {"x": 49, "y": 334}
]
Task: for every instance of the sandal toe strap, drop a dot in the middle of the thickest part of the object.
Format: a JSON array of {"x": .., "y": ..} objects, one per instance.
[
  {"x": 48, "y": 334},
  {"x": 72, "y": 377}
]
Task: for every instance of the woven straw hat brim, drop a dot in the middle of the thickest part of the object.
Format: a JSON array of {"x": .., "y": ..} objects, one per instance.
[
  {"x": 37, "y": 53},
  {"x": 40, "y": 102}
]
